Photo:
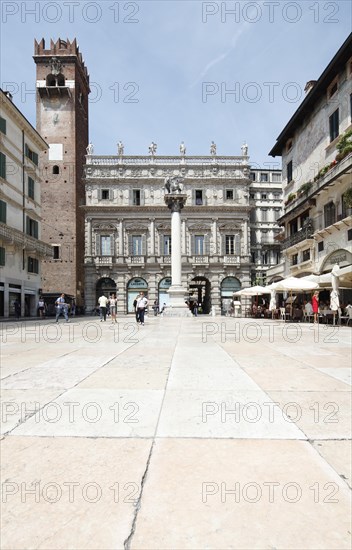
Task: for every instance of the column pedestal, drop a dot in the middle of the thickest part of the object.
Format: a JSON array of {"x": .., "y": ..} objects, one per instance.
[{"x": 178, "y": 294}]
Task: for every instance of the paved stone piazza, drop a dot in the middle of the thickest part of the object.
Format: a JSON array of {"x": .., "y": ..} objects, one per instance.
[{"x": 187, "y": 433}]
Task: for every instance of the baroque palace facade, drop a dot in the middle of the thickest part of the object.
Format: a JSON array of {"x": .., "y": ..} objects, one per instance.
[{"x": 128, "y": 227}]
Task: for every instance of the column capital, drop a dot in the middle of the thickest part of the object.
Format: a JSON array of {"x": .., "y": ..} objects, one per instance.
[{"x": 175, "y": 201}]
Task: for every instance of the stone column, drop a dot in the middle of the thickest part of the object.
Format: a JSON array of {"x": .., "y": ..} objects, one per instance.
[
  {"x": 120, "y": 238},
  {"x": 245, "y": 238},
  {"x": 89, "y": 237},
  {"x": 178, "y": 307},
  {"x": 152, "y": 236}
]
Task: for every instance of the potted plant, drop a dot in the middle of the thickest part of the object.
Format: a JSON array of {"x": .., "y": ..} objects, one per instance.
[
  {"x": 347, "y": 197},
  {"x": 344, "y": 146}
]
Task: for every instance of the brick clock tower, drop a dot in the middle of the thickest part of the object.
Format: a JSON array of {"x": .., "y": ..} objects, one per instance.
[{"x": 62, "y": 84}]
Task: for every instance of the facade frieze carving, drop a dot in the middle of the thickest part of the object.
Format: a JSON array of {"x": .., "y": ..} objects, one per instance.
[
  {"x": 229, "y": 227},
  {"x": 199, "y": 227},
  {"x": 136, "y": 227},
  {"x": 104, "y": 227}
]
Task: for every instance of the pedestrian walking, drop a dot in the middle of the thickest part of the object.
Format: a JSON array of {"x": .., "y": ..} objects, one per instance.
[
  {"x": 41, "y": 307},
  {"x": 113, "y": 307},
  {"x": 17, "y": 307},
  {"x": 103, "y": 302},
  {"x": 61, "y": 308},
  {"x": 142, "y": 303}
]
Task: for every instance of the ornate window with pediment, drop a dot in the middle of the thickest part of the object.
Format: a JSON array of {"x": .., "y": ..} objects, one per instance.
[
  {"x": 137, "y": 245},
  {"x": 231, "y": 244}
]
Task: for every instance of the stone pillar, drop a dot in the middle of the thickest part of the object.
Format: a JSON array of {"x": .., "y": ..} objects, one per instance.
[
  {"x": 245, "y": 238},
  {"x": 152, "y": 237},
  {"x": 89, "y": 237},
  {"x": 178, "y": 307},
  {"x": 120, "y": 238},
  {"x": 214, "y": 249},
  {"x": 184, "y": 237}
]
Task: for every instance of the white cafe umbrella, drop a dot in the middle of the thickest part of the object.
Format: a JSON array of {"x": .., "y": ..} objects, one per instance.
[
  {"x": 294, "y": 284},
  {"x": 252, "y": 291}
]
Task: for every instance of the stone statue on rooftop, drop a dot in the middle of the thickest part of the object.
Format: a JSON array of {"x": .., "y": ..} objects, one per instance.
[
  {"x": 244, "y": 149},
  {"x": 182, "y": 148},
  {"x": 213, "y": 149},
  {"x": 90, "y": 148},
  {"x": 120, "y": 148},
  {"x": 152, "y": 148}
]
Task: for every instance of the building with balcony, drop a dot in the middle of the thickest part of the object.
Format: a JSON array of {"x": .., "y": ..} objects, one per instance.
[
  {"x": 316, "y": 150},
  {"x": 265, "y": 197},
  {"x": 21, "y": 249},
  {"x": 128, "y": 228}
]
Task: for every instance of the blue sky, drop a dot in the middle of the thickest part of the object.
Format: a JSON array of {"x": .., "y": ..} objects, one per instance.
[{"x": 175, "y": 63}]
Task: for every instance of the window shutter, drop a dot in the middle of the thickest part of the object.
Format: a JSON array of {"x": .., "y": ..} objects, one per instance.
[
  {"x": 3, "y": 211},
  {"x": 142, "y": 197},
  {"x": 28, "y": 221},
  {"x": 193, "y": 201},
  {"x": 161, "y": 245},
  {"x": 35, "y": 158},
  {"x": 26, "y": 150},
  {"x": 237, "y": 245},
  {"x": 36, "y": 230},
  {"x": 193, "y": 245},
  {"x": 130, "y": 200},
  {"x": 2, "y": 165},
  {"x": 206, "y": 245},
  {"x": 2, "y": 125},
  {"x": 144, "y": 245},
  {"x": 99, "y": 194},
  {"x": 130, "y": 245},
  {"x": 97, "y": 245},
  {"x": 112, "y": 245},
  {"x": 223, "y": 245}
]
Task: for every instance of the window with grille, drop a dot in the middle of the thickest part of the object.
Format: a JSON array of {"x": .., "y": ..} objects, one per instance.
[{"x": 289, "y": 171}]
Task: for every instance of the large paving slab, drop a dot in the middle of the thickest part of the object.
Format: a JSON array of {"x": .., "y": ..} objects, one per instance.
[
  {"x": 70, "y": 493},
  {"x": 173, "y": 415},
  {"x": 241, "y": 495}
]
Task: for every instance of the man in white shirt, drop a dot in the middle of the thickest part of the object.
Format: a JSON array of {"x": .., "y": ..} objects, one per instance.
[
  {"x": 61, "y": 307},
  {"x": 142, "y": 303},
  {"x": 103, "y": 302}
]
